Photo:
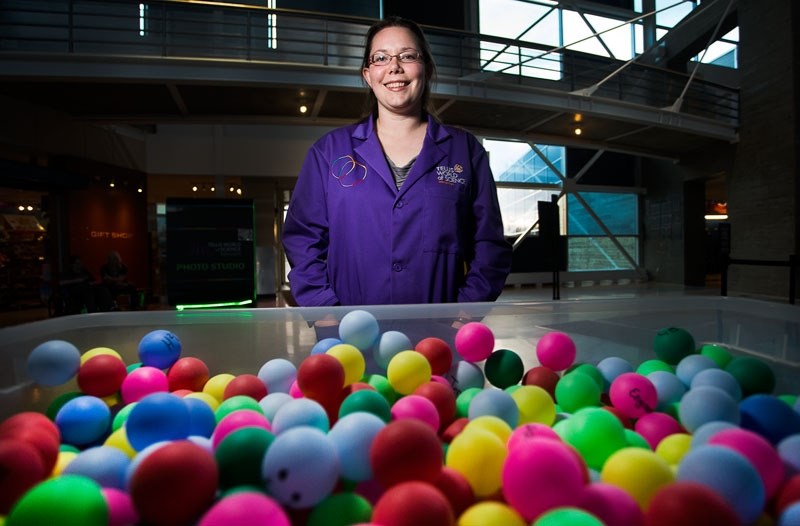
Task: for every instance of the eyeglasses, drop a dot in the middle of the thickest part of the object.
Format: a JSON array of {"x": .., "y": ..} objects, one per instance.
[{"x": 406, "y": 57}]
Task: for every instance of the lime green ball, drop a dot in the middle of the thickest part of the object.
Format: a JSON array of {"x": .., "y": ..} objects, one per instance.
[
  {"x": 122, "y": 416},
  {"x": 68, "y": 448},
  {"x": 368, "y": 401},
  {"x": 790, "y": 399},
  {"x": 340, "y": 509},
  {"x": 503, "y": 368},
  {"x": 754, "y": 376},
  {"x": 464, "y": 399},
  {"x": 132, "y": 367},
  {"x": 673, "y": 344},
  {"x": 577, "y": 390},
  {"x": 595, "y": 433},
  {"x": 567, "y": 517},
  {"x": 239, "y": 457},
  {"x": 68, "y": 500},
  {"x": 650, "y": 366},
  {"x": 236, "y": 403},
  {"x": 636, "y": 440},
  {"x": 58, "y": 403},
  {"x": 591, "y": 371},
  {"x": 719, "y": 354},
  {"x": 382, "y": 385}
]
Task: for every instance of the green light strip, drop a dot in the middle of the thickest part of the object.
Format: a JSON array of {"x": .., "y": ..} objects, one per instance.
[{"x": 215, "y": 305}]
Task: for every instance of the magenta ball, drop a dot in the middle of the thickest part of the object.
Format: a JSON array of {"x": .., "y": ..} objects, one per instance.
[
  {"x": 758, "y": 450},
  {"x": 633, "y": 394},
  {"x": 655, "y": 427},
  {"x": 237, "y": 420},
  {"x": 530, "y": 431},
  {"x": 143, "y": 381},
  {"x": 419, "y": 407},
  {"x": 556, "y": 351},
  {"x": 474, "y": 341},
  {"x": 121, "y": 511},
  {"x": 246, "y": 507},
  {"x": 611, "y": 504}
]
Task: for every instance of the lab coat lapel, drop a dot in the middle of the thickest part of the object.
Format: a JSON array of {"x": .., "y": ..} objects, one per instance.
[
  {"x": 431, "y": 155},
  {"x": 370, "y": 150}
]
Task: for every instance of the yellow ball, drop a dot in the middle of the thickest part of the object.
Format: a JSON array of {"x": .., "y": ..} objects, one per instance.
[
  {"x": 673, "y": 447},
  {"x": 352, "y": 361},
  {"x": 62, "y": 461},
  {"x": 408, "y": 370},
  {"x": 119, "y": 440},
  {"x": 495, "y": 425},
  {"x": 638, "y": 471},
  {"x": 91, "y": 353},
  {"x": 212, "y": 402},
  {"x": 215, "y": 386},
  {"x": 536, "y": 406},
  {"x": 490, "y": 512},
  {"x": 479, "y": 456}
]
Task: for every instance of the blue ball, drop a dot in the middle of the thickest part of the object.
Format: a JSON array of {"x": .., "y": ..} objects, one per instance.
[
  {"x": 720, "y": 379},
  {"x": 390, "y": 344},
  {"x": 54, "y": 362},
  {"x": 322, "y": 346},
  {"x": 84, "y": 420},
  {"x": 352, "y": 437},
  {"x": 611, "y": 367},
  {"x": 707, "y": 404},
  {"x": 159, "y": 349},
  {"x": 730, "y": 475},
  {"x": 669, "y": 387},
  {"x": 789, "y": 451},
  {"x": 691, "y": 365},
  {"x": 494, "y": 402},
  {"x": 106, "y": 465},
  {"x": 278, "y": 375},
  {"x": 301, "y": 467},
  {"x": 300, "y": 412},
  {"x": 790, "y": 516},
  {"x": 702, "y": 434},
  {"x": 158, "y": 417},
  {"x": 465, "y": 375},
  {"x": 272, "y": 402},
  {"x": 770, "y": 417},
  {"x": 359, "y": 328},
  {"x": 202, "y": 420}
]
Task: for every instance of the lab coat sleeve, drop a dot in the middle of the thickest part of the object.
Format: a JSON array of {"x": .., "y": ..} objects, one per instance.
[
  {"x": 489, "y": 263},
  {"x": 305, "y": 235}
]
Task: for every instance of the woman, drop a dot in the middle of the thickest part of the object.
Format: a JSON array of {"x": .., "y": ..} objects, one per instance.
[{"x": 397, "y": 208}]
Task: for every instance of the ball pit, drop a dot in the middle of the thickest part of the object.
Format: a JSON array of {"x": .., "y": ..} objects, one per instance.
[{"x": 441, "y": 436}]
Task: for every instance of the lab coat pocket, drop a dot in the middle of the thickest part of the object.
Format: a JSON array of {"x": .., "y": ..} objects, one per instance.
[{"x": 444, "y": 220}]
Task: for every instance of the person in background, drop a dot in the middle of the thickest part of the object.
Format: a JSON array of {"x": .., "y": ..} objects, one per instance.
[
  {"x": 114, "y": 276},
  {"x": 398, "y": 208},
  {"x": 80, "y": 291}
]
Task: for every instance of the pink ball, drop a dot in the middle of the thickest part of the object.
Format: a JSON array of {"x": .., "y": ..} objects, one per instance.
[
  {"x": 556, "y": 351},
  {"x": 419, "y": 407},
  {"x": 541, "y": 474},
  {"x": 294, "y": 390},
  {"x": 530, "y": 431},
  {"x": 245, "y": 507},
  {"x": 758, "y": 451},
  {"x": 121, "y": 511},
  {"x": 633, "y": 394},
  {"x": 143, "y": 381},
  {"x": 237, "y": 420},
  {"x": 611, "y": 504},
  {"x": 474, "y": 341},
  {"x": 655, "y": 427}
]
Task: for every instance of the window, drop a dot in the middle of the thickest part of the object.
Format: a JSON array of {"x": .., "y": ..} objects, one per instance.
[
  {"x": 272, "y": 26},
  {"x": 142, "y": 20}
]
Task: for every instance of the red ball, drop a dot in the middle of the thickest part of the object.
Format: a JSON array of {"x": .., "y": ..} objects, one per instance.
[
  {"x": 456, "y": 489},
  {"x": 788, "y": 494},
  {"x": 246, "y": 385},
  {"x": 543, "y": 377},
  {"x": 101, "y": 375},
  {"x": 455, "y": 427},
  {"x": 689, "y": 504},
  {"x": 412, "y": 504},
  {"x": 40, "y": 438},
  {"x": 443, "y": 398},
  {"x": 21, "y": 468},
  {"x": 438, "y": 353},
  {"x": 175, "y": 484},
  {"x": 29, "y": 419},
  {"x": 405, "y": 450},
  {"x": 626, "y": 421},
  {"x": 188, "y": 373},
  {"x": 321, "y": 377}
]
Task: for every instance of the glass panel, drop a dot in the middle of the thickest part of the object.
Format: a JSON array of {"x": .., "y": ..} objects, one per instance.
[
  {"x": 519, "y": 207},
  {"x": 674, "y": 11},
  {"x": 513, "y": 19},
  {"x": 600, "y": 253},
  {"x": 516, "y": 162},
  {"x": 618, "y": 212}
]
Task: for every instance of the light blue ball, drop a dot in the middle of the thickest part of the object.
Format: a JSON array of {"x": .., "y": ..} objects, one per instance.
[
  {"x": 202, "y": 420},
  {"x": 301, "y": 467},
  {"x": 719, "y": 378},
  {"x": 352, "y": 437},
  {"x": 300, "y": 412},
  {"x": 322, "y": 346},
  {"x": 707, "y": 404},
  {"x": 158, "y": 417},
  {"x": 54, "y": 362},
  {"x": 106, "y": 465},
  {"x": 669, "y": 387},
  {"x": 730, "y": 475},
  {"x": 790, "y": 516},
  {"x": 278, "y": 375},
  {"x": 789, "y": 451},
  {"x": 465, "y": 375},
  {"x": 611, "y": 367},
  {"x": 83, "y": 420},
  {"x": 159, "y": 349},
  {"x": 689, "y": 366},
  {"x": 359, "y": 328},
  {"x": 389, "y": 344},
  {"x": 494, "y": 402},
  {"x": 702, "y": 434},
  {"x": 272, "y": 402}
]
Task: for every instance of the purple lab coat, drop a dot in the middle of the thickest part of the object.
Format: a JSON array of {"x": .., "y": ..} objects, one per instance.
[{"x": 353, "y": 238}]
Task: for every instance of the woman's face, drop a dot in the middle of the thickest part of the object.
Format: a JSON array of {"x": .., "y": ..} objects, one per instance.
[{"x": 398, "y": 86}]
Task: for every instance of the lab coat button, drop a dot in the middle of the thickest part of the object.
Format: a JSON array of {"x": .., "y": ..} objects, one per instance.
[{"x": 397, "y": 267}]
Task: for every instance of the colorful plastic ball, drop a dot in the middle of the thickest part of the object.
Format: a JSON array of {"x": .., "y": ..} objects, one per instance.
[
  {"x": 438, "y": 353},
  {"x": 443, "y": 398},
  {"x": 534, "y": 404},
  {"x": 493, "y": 402},
  {"x": 352, "y": 361},
  {"x": 456, "y": 489},
  {"x": 789, "y": 451},
  {"x": 121, "y": 511},
  {"x": 99, "y": 351},
  {"x": 790, "y": 516},
  {"x": 238, "y": 420},
  {"x": 759, "y": 451},
  {"x": 576, "y": 390},
  {"x": 673, "y": 344},
  {"x": 611, "y": 504},
  {"x": 215, "y": 386},
  {"x": 300, "y": 412},
  {"x": 718, "y": 353},
  {"x": 340, "y": 509},
  {"x": 366, "y": 400},
  {"x": 381, "y": 384},
  {"x": 239, "y": 455},
  {"x": 157, "y": 417},
  {"x": 54, "y": 362},
  {"x": 707, "y": 404},
  {"x": 75, "y": 498},
  {"x": 388, "y": 345},
  {"x": 465, "y": 375},
  {"x": 413, "y": 503},
  {"x": 418, "y": 407},
  {"x": 102, "y": 375},
  {"x": 103, "y": 464},
  {"x": 702, "y": 434},
  {"x": 755, "y": 376},
  {"x": 633, "y": 394},
  {"x": 545, "y": 468},
  {"x": 595, "y": 433},
  {"x": 730, "y": 475},
  {"x": 159, "y": 349},
  {"x": 245, "y": 507},
  {"x": 531, "y": 431},
  {"x": 408, "y": 370},
  {"x": 543, "y": 377},
  {"x": 359, "y": 328},
  {"x": 278, "y": 374},
  {"x": 188, "y": 373},
  {"x": 322, "y": 346},
  {"x": 143, "y": 381},
  {"x": 119, "y": 440},
  {"x": 22, "y": 468},
  {"x": 655, "y": 427},
  {"x": 568, "y": 516},
  {"x": 245, "y": 385},
  {"x": 493, "y": 425},
  {"x": 202, "y": 420},
  {"x": 236, "y": 403},
  {"x": 405, "y": 450},
  {"x": 272, "y": 402},
  {"x": 611, "y": 367},
  {"x": 321, "y": 377},
  {"x": 503, "y": 368},
  {"x": 474, "y": 341},
  {"x": 464, "y": 400},
  {"x": 669, "y": 387},
  {"x": 36, "y": 430},
  {"x": 301, "y": 467},
  {"x": 689, "y": 504},
  {"x": 674, "y": 447},
  {"x": 788, "y": 494},
  {"x": 650, "y": 366},
  {"x": 352, "y": 437},
  {"x": 478, "y": 455},
  {"x": 691, "y": 365},
  {"x": 490, "y": 512},
  {"x": 556, "y": 350},
  {"x": 640, "y": 472},
  {"x": 454, "y": 429},
  {"x": 770, "y": 417},
  {"x": 83, "y": 420},
  {"x": 174, "y": 484}
]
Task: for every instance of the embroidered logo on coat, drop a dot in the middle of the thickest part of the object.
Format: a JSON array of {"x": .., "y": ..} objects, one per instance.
[
  {"x": 348, "y": 171},
  {"x": 450, "y": 175}
]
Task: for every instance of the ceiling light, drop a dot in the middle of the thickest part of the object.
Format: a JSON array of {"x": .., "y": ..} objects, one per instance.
[
  {"x": 303, "y": 108},
  {"x": 578, "y": 130}
]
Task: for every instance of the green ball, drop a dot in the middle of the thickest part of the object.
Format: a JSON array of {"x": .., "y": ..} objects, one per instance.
[
  {"x": 651, "y": 366},
  {"x": 719, "y": 354},
  {"x": 636, "y": 440},
  {"x": 68, "y": 500},
  {"x": 503, "y": 368},
  {"x": 565, "y": 516},
  {"x": 790, "y": 399},
  {"x": 122, "y": 416},
  {"x": 368, "y": 401},
  {"x": 754, "y": 375},
  {"x": 464, "y": 399},
  {"x": 132, "y": 367},
  {"x": 236, "y": 403},
  {"x": 595, "y": 433},
  {"x": 382, "y": 385},
  {"x": 590, "y": 370},
  {"x": 239, "y": 457},
  {"x": 577, "y": 390},
  {"x": 341, "y": 509},
  {"x": 673, "y": 344}
]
